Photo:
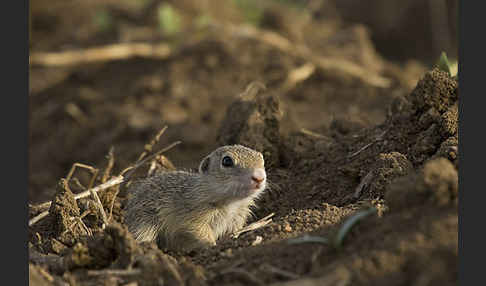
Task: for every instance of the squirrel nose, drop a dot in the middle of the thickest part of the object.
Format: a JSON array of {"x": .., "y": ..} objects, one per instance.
[{"x": 258, "y": 175}]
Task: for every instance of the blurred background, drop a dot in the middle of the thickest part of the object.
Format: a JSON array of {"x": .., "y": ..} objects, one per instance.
[
  {"x": 112, "y": 72},
  {"x": 400, "y": 30}
]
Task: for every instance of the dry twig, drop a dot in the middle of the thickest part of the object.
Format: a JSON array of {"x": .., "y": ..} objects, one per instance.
[
  {"x": 244, "y": 273},
  {"x": 108, "y": 184},
  {"x": 93, "y": 171},
  {"x": 113, "y": 203},
  {"x": 119, "y": 272},
  {"x": 298, "y": 75},
  {"x": 284, "y": 273},
  {"x": 80, "y": 165},
  {"x": 78, "y": 183},
  {"x": 148, "y": 147},
  {"x": 314, "y": 134},
  {"x": 46, "y": 274},
  {"x": 79, "y": 220},
  {"x": 113, "y": 182},
  {"x": 109, "y": 167},
  {"x": 365, "y": 182},
  {"x": 299, "y": 50},
  {"x": 256, "y": 225},
  {"x": 377, "y": 139},
  {"x": 38, "y": 217},
  {"x": 100, "y": 208},
  {"x": 130, "y": 170},
  {"x": 112, "y": 52}
]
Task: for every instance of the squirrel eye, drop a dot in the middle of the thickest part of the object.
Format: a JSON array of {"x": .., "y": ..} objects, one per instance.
[{"x": 227, "y": 161}]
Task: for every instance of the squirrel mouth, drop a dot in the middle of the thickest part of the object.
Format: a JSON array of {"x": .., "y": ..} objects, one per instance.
[
  {"x": 249, "y": 189},
  {"x": 257, "y": 187}
]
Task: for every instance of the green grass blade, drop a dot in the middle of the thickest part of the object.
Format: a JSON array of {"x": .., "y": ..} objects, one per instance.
[
  {"x": 308, "y": 238},
  {"x": 169, "y": 19},
  {"x": 444, "y": 64},
  {"x": 349, "y": 223}
]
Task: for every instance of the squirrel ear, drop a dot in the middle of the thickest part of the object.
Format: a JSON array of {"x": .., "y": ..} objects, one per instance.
[{"x": 204, "y": 166}]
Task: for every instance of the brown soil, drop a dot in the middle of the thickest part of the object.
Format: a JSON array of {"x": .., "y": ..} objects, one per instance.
[{"x": 335, "y": 146}]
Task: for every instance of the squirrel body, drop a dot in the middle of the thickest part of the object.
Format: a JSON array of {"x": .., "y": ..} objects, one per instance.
[{"x": 183, "y": 210}]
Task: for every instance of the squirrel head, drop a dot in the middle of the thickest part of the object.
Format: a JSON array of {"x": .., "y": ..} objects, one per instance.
[{"x": 239, "y": 172}]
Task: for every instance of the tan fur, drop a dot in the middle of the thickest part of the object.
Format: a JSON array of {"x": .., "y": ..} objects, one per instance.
[{"x": 186, "y": 210}]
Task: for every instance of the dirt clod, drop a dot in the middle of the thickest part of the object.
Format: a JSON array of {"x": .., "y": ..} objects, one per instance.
[
  {"x": 37, "y": 276},
  {"x": 441, "y": 177},
  {"x": 79, "y": 257},
  {"x": 114, "y": 247},
  {"x": 158, "y": 268},
  {"x": 449, "y": 121},
  {"x": 61, "y": 212},
  {"x": 436, "y": 89},
  {"x": 388, "y": 167},
  {"x": 449, "y": 149},
  {"x": 437, "y": 182}
]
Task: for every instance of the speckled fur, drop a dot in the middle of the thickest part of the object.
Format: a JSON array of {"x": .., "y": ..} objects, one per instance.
[{"x": 186, "y": 210}]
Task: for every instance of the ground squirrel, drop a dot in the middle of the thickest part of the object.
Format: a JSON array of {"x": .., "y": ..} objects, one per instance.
[{"x": 183, "y": 210}]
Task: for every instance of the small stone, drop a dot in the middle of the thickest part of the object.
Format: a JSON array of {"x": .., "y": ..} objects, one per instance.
[
  {"x": 258, "y": 240},
  {"x": 227, "y": 253},
  {"x": 287, "y": 227}
]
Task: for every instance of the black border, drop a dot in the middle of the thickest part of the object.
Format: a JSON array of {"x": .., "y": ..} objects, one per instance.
[
  {"x": 15, "y": 55},
  {"x": 471, "y": 146},
  {"x": 460, "y": 70}
]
